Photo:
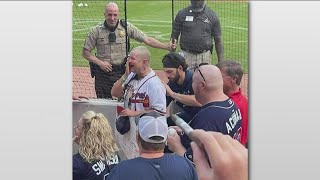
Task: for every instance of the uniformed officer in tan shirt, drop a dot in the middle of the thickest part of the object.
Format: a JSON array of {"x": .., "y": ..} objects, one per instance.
[{"x": 109, "y": 39}]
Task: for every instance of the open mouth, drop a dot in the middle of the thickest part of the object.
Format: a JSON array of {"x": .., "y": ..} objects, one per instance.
[{"x": 131, "y": 66}]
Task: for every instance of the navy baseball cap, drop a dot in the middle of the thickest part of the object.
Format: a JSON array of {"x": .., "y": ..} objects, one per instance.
[{"x": 123, "y": 124}]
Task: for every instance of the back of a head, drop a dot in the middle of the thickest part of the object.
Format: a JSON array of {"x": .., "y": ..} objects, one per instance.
[
  {"x": 174, "y": 60},
  {"x": 232, "y": 68},
  {"x": 97, "y": 140},
  {"x": 213, "y": 77},
  {"x": 153, "y": 131},
  {"x": 143, "y": 52}
]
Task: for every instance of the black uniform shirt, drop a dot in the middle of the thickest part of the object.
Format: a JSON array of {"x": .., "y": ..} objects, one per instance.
[{"x": 197, "y": 29}]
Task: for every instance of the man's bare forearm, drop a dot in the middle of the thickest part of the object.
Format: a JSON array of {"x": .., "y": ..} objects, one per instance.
[
  {"x": 188, "y": 100},
  {"x": 91, "y": 58},
  {"x": 219, "y": 48},
  {"x": 150, "y": 41},
  {"x": 117, "y": 88},
  {"x": 180, "y": 150}
]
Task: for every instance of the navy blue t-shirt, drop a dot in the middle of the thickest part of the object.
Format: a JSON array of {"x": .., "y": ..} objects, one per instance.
[
  {"x": 223, "y": 117},
  {"x": 97, "y": 170},
  {"x": 167, "y": 167},
  {"x": 185, "y": 88}
]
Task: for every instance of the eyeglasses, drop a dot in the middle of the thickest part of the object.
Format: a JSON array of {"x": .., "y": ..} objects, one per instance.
[{"x": 198, "y": 67}]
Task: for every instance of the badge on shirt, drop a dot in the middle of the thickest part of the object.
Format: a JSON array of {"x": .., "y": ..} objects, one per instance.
[
  {"x": 121, "y": 33},
  {"x": 189, "y": 18}
]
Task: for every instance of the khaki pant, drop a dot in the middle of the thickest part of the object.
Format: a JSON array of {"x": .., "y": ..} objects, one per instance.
[{"x": 194, "y": 59}]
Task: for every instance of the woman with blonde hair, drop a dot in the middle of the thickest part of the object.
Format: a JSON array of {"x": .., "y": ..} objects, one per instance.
[{"x": 97, "y": 153}]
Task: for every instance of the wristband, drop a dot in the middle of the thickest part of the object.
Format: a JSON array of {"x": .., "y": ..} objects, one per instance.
[{"x": 124, "y": 77}]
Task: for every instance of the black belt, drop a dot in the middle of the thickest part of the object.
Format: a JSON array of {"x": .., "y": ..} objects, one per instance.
[
  {"x": 94, "y": 69},
  {"x": 118, "y": 67}
]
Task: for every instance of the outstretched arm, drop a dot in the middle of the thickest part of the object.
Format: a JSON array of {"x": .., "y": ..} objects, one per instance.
[
  {"x": 150, "y": 41},
  {"x": 188, "y": 100},
  {"x": 138, "y": 35}
]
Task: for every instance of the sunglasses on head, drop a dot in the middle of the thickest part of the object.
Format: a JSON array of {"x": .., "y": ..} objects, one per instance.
[{"x": 198, "y": 67}]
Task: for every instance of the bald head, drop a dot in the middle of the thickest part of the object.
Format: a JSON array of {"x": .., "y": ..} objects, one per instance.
[
  {"x": 142, "y": 52},
  {"x": 212, "y": 76},
  {"x": 139, "y": 61},
  {"x": 111, "y": 13},
  {"x": 112, "y": 5},
  {"x": 208, "y": 88}
]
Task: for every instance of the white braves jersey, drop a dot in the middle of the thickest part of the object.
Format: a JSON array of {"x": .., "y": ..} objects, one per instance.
[{"x": 146, "y": 93}]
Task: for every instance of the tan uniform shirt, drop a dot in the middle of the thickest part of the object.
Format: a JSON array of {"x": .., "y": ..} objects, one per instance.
[{"x": 115, "y": 51}]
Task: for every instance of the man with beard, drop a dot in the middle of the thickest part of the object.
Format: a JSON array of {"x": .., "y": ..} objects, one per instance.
[
  {"x": 218, "y": 112},
  {"x": 198, "y": 26},
  {"x": 179, "y": 88}
]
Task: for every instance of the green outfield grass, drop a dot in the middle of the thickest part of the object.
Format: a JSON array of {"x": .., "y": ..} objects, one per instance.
[{"x": 154, "y": 19}]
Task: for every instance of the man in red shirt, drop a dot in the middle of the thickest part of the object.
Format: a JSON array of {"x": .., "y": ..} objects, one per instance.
[{"x": 232, "y": 74}]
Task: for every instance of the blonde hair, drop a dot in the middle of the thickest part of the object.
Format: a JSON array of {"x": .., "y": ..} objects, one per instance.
[{"x": 96, "y": 142}]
